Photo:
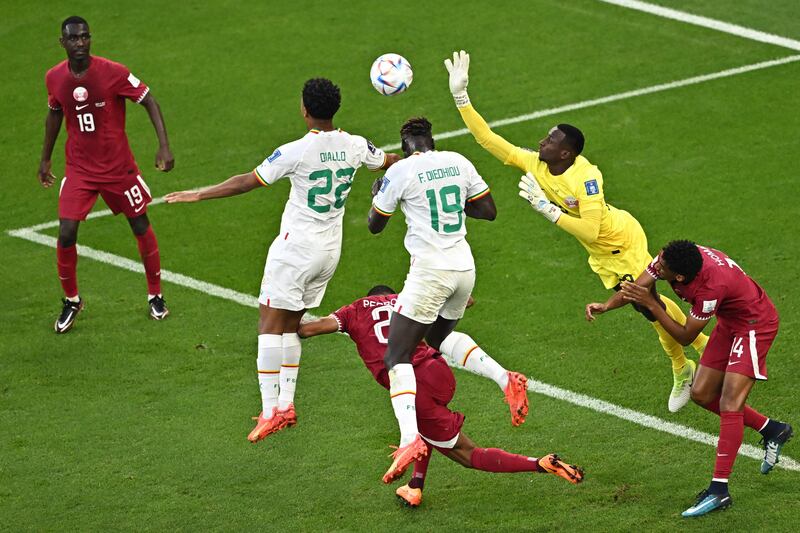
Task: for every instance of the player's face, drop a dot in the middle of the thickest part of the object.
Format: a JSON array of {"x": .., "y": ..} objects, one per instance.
[
  {"x": 665, "y": 273},
  {"x": 76, "y": 40},
  {"x": 550, "y": 149}
]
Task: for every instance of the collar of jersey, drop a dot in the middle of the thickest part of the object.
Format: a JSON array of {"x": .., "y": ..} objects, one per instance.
[{"x": 315, "y": 130}]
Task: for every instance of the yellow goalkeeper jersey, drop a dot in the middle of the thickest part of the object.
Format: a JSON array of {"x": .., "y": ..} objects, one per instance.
[{"x": 601, "y": 228}]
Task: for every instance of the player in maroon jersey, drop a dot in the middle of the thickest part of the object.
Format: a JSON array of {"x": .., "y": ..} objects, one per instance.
[
  {"x": 90, "y": 91},
  {"x": 734, "y": 358},
  {"x": 366, "y": 321}
]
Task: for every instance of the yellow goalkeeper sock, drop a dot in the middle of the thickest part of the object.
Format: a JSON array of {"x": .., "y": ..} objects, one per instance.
[
  {"x": 699, "y": 343},
  {"x": 671, "y": 346}
]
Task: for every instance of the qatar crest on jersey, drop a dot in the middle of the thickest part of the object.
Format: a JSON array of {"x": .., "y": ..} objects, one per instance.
[{"x": 80, "y": 94}]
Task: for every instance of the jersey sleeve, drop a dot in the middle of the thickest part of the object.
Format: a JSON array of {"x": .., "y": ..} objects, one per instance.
[
  {"x": 476, "y": 187},
  {"x": 52, "y": 101},
  {"x": 344, "y": 317},
  {"x": 279, "y": 164},
  {"x": 706, "y": 303},
  {"x": 129, "y": 86},
  {"x": 589, "y": 191},
  {"x": 651, "y": 268},
  {"x": 373, "y": 157},
  {"x": 503, "y": 150},
  {"x": 390, "y": 193}
]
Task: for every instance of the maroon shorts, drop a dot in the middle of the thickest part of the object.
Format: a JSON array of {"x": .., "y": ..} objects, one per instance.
[
  {"x": 436, "y": 386},
  {"x": 740, "y": 352},
  {"x": 127, "y": 194}
]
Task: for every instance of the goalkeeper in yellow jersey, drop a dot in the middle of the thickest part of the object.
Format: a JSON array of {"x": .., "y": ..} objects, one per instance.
[{"x": 565, "y": 188}]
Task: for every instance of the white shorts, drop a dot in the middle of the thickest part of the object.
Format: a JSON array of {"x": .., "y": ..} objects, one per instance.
[
  {"x": 429, "y": 293},
  {"x": 295, "y": 277}
]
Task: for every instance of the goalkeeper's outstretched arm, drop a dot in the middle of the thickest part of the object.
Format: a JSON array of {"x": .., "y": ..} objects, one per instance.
[{"x": 458, "y": 68}]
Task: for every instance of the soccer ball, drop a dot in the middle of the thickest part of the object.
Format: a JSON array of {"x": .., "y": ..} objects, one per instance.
[{"x": 391, "y": 74}]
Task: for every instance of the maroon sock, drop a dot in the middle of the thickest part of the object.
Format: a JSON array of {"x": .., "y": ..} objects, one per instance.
[
  {"x": 67, "y": 259},
  {"x": 148, "y": 249},
  {"x": 731, "y": 431},
  {"x": 420, "y": 469},
  {"x": 497, "y": 460},
  {"x": 752, "y": 418}
]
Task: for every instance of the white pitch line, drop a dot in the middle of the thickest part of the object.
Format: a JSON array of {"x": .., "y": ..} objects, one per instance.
[
  {"x": 136, "y": 266},
  {"x": 620, "y": 96},
  {"x": 539, "y": 387},
  {"x": 30, "y": 234},
  {"x": 714, "y": 24},
  {"x": 534, "y": 115}
]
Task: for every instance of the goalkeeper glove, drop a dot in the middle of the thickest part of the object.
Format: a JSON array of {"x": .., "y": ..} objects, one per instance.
[
  {"x": 533, "y": 193},
  {"x": 459, "y": 77}
]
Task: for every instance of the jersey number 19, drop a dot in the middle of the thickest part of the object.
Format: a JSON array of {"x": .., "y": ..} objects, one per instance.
[{"x": 449, "y": 198}]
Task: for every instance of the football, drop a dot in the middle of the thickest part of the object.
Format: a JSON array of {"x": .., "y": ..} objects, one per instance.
[{"x": 391, "y": 74}]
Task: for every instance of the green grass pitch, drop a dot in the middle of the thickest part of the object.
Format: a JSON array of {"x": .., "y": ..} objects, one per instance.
[{"x": 128, "y": 424}]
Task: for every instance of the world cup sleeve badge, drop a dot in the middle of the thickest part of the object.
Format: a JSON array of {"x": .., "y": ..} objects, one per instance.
[{"x": 591, "y": 187}]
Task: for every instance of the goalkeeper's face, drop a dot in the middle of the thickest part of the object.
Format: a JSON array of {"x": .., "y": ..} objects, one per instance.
[{"x": 551, "y": 149}]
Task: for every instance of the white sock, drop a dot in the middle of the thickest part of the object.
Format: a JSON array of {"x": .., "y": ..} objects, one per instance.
[
  {"x": 465, "y": 352},
  {"x": 403, "y": 390},
  {"x": 290, "y": 366},
  {"x": 269, "y": 367},
  {"x": 151, "y": 296},
  {"x": 74, "y": 299}
]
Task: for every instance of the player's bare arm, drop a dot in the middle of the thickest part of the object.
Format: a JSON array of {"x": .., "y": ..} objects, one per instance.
[
  {"x": 233, "y": 186},
  {"x": 321, "y": 326},
  {"x": 164, "y": 159},
  {"x": 376, "y": 221},
  {"x": 52, "y": 125},
  {"x": 481, "y": 208},
  {"x": 684, "y": 334},
  {"x": 391, "y": 159},
  {"x": 645, "y": 281}
]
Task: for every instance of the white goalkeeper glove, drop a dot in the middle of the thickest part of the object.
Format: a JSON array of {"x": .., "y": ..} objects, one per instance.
[
  {"x": 533, "y": 193},
  {"x": 459, "y": 77}
]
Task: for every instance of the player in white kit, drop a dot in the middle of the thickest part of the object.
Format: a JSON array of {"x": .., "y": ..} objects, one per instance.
[
  {"x": 435, "y": 190},
  {"x": 303, "y": 257}
]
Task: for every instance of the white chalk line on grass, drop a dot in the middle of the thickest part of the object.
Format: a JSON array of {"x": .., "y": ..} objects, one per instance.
[
  {"x": 705, "y": 22},
  {"x": 539, "y": 387},
  {"x": 31, "y": 234}
]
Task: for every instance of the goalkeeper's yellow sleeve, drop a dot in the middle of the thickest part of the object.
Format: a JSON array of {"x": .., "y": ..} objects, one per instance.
[
  {"x": 586, "y": 228},
  {"x": 496, "y": 145}
]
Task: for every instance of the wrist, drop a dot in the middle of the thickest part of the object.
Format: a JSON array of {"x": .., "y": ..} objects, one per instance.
[{"x": 461, "y": 99}]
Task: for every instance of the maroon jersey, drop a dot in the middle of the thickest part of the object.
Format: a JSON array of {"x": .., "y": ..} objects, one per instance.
[
  {"x": 94, "y": 108},
  {"x": 367, "y": 322},
  {"x": 722, "y": 288}
]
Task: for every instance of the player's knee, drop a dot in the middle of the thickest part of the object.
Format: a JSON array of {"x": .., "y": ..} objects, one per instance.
[
  {"x": 67, "y": 235},
  {"x": 139, "y": 224},
  {"x": 699, "y": 396}
]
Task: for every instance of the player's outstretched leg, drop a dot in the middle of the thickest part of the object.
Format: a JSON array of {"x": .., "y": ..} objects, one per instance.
[
  {"x": 552, "y": 464},
  {"x": 461, "y": 350}
]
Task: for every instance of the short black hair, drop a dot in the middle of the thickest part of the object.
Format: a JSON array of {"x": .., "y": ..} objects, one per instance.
[
  {"x": 417, "y": 127},
  {"x": 684, "y": 258},
  {"x": 573, "y": 137},
  {"x": 321, "y": 98},
  {"x": 378, "y": 290},
  {"x": 74, "y": 19}
]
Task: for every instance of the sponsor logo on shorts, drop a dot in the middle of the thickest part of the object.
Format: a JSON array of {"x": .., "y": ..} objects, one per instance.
[
  {"x": 591, "y": 187},
  {"x": 80, "y": 94},
  {"x": 275, "y": 155}
]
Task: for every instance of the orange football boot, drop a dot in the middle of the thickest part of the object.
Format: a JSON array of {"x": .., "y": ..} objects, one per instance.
[
  {"x": 517, "y": 397},
  {"x": 553, "y": 465},
  {"x": 267, "y": 426},
  {"x": 403, "y": 457},
  {"x": 289, "y": 415},
  {"x": 410, "y": 497}
]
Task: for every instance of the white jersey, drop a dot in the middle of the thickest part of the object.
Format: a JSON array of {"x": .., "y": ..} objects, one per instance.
[
  {"x": 321, "y": 166},
  {"x": 432, "y": 189}
]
